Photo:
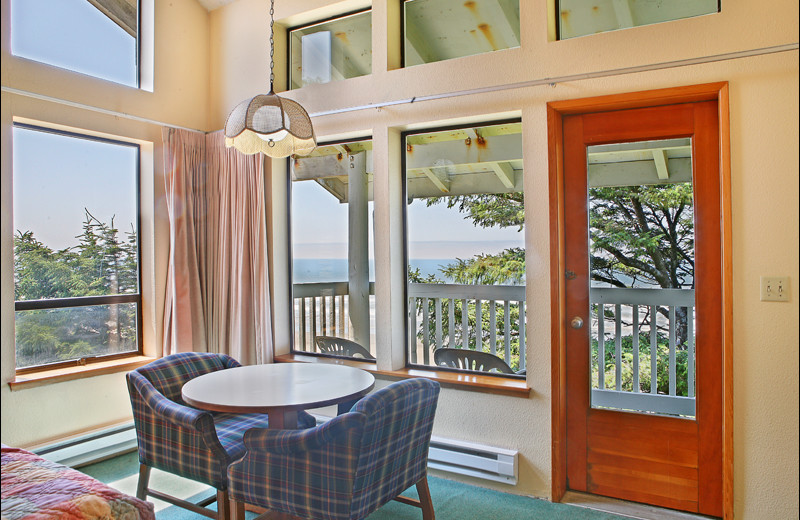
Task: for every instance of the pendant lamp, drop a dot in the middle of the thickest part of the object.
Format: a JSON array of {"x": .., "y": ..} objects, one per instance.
[{"x": 268, "y": 123}]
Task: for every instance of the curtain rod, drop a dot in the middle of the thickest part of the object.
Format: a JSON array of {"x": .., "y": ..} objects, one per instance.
[
  {"x": 569, "y": 78},
  {"x": 523, "y": 84},
  {"x": 104, "y": 111}
]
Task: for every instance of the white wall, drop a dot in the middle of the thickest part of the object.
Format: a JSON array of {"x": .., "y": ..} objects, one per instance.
[
  {"x": 764, "y": 116},
  {"x": 179, "y": 97}
]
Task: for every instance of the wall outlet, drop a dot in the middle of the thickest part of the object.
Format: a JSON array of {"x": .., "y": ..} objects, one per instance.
[{"x": 774, "y": 288}]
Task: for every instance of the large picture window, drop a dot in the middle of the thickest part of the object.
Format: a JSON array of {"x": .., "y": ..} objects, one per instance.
[
  {"x": 76, "y": 247},
  {"x": 94, "y": 37},
  {"x": 333, "y": 266},
  {"x": 466, "y": 248}
]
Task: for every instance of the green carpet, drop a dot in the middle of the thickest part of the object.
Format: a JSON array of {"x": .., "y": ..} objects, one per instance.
[{"x": 451, "y": 500}]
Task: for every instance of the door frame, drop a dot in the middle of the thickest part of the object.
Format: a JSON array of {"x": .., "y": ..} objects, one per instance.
[{"x": 556, "y": 111}]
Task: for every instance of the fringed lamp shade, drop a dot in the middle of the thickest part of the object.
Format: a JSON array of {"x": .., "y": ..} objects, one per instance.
[{"x": 270, "y": 124}]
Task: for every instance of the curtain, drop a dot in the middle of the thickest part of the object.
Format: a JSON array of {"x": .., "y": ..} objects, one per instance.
[{"x": 218, "y": 250}]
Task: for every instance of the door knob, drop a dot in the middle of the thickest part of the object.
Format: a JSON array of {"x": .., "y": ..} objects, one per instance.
[{"x": 577, "y": 322}]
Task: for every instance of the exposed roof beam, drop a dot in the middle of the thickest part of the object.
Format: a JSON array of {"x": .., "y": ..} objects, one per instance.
[
  {"x": 439, "y": 179},
  {"x": 420, "y": 44},
  {"x": 504, "y": 172},
  {"x": 335, "y": 187},
  {"x": 622, "y": 8},
  {"x": 510, "y": 19},
  {"x": 490, "y": 149},
  {"x": 121, "y": 12},
  {"x": 660, "y": 158}
]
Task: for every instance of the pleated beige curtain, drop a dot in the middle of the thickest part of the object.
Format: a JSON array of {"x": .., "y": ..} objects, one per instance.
[{"x": 217, "y": 286}]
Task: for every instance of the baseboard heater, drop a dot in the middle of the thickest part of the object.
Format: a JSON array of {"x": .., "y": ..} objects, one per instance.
[
  {"x": 463, "y": 458},
  {"x": 92, "y": 447},
  {"x": 474, "y": 460}
]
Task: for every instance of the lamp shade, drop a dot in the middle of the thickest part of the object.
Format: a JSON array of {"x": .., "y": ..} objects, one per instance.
[{"x": 270, "y": 124}]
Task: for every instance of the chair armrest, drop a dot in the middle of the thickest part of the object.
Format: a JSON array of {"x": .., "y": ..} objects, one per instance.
[
  {"x": 176, "y": 413},
  {"x": 293, "y": 441}
]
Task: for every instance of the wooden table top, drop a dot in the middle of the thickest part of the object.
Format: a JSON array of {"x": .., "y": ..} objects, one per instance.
[{"x": 279, "y": 386}]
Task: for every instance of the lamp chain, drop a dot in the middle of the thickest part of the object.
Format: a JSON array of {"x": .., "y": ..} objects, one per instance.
[{"x": 271, "y": 46}]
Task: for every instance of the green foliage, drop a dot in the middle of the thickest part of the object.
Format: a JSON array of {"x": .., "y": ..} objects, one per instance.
[
  {"x": 100, "y": 264},
  {"x": 645, "y": 374},
  {"x": 508, "y": 266}
]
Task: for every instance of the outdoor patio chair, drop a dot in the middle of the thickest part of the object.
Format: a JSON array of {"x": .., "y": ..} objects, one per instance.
[
  {"x": 347, "y": 467},
  {"x": 342, "y": 347},
  {"x": 176, "y": 438},
  {"x": 466, "y": 359}
]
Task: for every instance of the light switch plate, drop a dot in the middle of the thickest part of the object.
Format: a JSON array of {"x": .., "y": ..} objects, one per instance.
[{"x": 774, "y": 288}]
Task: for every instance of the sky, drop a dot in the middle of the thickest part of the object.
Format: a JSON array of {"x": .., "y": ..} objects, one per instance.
[
  {"x": 320, "y": 230},
  {"x": 73, "y": 34},
  {"x": 56, "y": 177}
]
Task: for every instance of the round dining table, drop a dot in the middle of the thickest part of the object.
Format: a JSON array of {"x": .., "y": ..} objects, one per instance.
[{"x": 278, "y": 389}]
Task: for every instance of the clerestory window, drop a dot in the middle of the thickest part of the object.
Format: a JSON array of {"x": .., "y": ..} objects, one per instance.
[
  {"x": 76, "y": 248},
  {"x": 99, "y": 38},
  {"x": 465, "y": 248},
  {"x": 331, "y": 50},
  {"x": 581, "y": 18},
  {"x": 436, "y": 30}
]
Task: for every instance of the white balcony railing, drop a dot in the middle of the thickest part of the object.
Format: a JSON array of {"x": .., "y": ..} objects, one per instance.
[
  {"x": 436, "y": 315},
  {"x": 497, "y": 315},
  {"x": 653, "y": 313}
]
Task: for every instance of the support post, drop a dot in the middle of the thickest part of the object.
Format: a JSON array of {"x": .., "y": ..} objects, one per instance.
[{"x": 358, "y": 247}]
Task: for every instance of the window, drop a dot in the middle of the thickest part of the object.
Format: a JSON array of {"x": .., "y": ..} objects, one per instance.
[
  {"x": 435, "y": 30},
  {"x": 76, "y": 247},
  {"x": 94, "y": 37},
  {"x": 465, "y": 246},
  {"x": 332, "y": 250},
  {"x": 331, "y": 50},
  {"x": 580, "y": 18}
]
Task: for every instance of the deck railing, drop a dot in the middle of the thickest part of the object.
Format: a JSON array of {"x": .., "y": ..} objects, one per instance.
[
  {"x": 438, "y": 318},
  {"x": 497, "y": 315},
  {"x": 652, "y": 314}
]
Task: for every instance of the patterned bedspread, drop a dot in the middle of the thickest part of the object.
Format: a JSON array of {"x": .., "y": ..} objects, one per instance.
[{"x": 34, "y": 488}]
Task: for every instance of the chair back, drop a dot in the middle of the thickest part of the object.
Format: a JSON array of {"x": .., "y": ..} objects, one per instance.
[
  {"x": 170, "y": 435},
  {"x": 466, "y": 359},
  {"x": 341, "y": 347},
  {"x": 393, "y": 448}
]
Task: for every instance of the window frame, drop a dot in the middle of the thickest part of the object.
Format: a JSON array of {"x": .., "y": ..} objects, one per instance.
[
  {"x": 289, "y": 31},
  {"x": 137, "y": 59},
  {"x": 292, "y": 347},
  {"x": 417, "y": 366},
  {"x": 84, "y": 301}
]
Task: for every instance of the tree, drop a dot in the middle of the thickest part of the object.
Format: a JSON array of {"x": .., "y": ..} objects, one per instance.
[
  {"x": 640, "y": 236},
  {"x": 100, "y": 264}
]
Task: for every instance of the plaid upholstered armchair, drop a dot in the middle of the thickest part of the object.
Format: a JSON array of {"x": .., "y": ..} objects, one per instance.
[
  {"x": 349, "y": 466},
  {"x": 179, "y": 439}
]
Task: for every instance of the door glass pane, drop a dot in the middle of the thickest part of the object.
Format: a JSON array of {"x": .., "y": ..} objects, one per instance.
[
  {"x": 641, "y": 254},
  {"x": 465, "y": 221},
  {"x": 332, "y": 251}
]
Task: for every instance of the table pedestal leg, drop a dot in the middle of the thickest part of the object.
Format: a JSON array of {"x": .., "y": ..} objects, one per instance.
[{"x": 282, "y": 419}]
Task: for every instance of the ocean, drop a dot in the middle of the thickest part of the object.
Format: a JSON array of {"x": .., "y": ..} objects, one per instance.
[{"x": 316, "y": 270}]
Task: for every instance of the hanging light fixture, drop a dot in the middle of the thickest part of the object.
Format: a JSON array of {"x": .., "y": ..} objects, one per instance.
[{"x": 268, "y": 123}]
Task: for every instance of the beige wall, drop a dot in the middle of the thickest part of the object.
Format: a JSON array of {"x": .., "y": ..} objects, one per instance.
[
  {"x": 179, "y": 96},
  {"x": 229, "y": 47},
  {"x": 764, "y": 115}
]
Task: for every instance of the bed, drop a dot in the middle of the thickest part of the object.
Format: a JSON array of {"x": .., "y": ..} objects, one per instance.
[{"x": 34, "y": 488}]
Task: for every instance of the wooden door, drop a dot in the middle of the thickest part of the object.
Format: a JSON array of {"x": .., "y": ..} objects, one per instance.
[{"x": 640, "y": 452}]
